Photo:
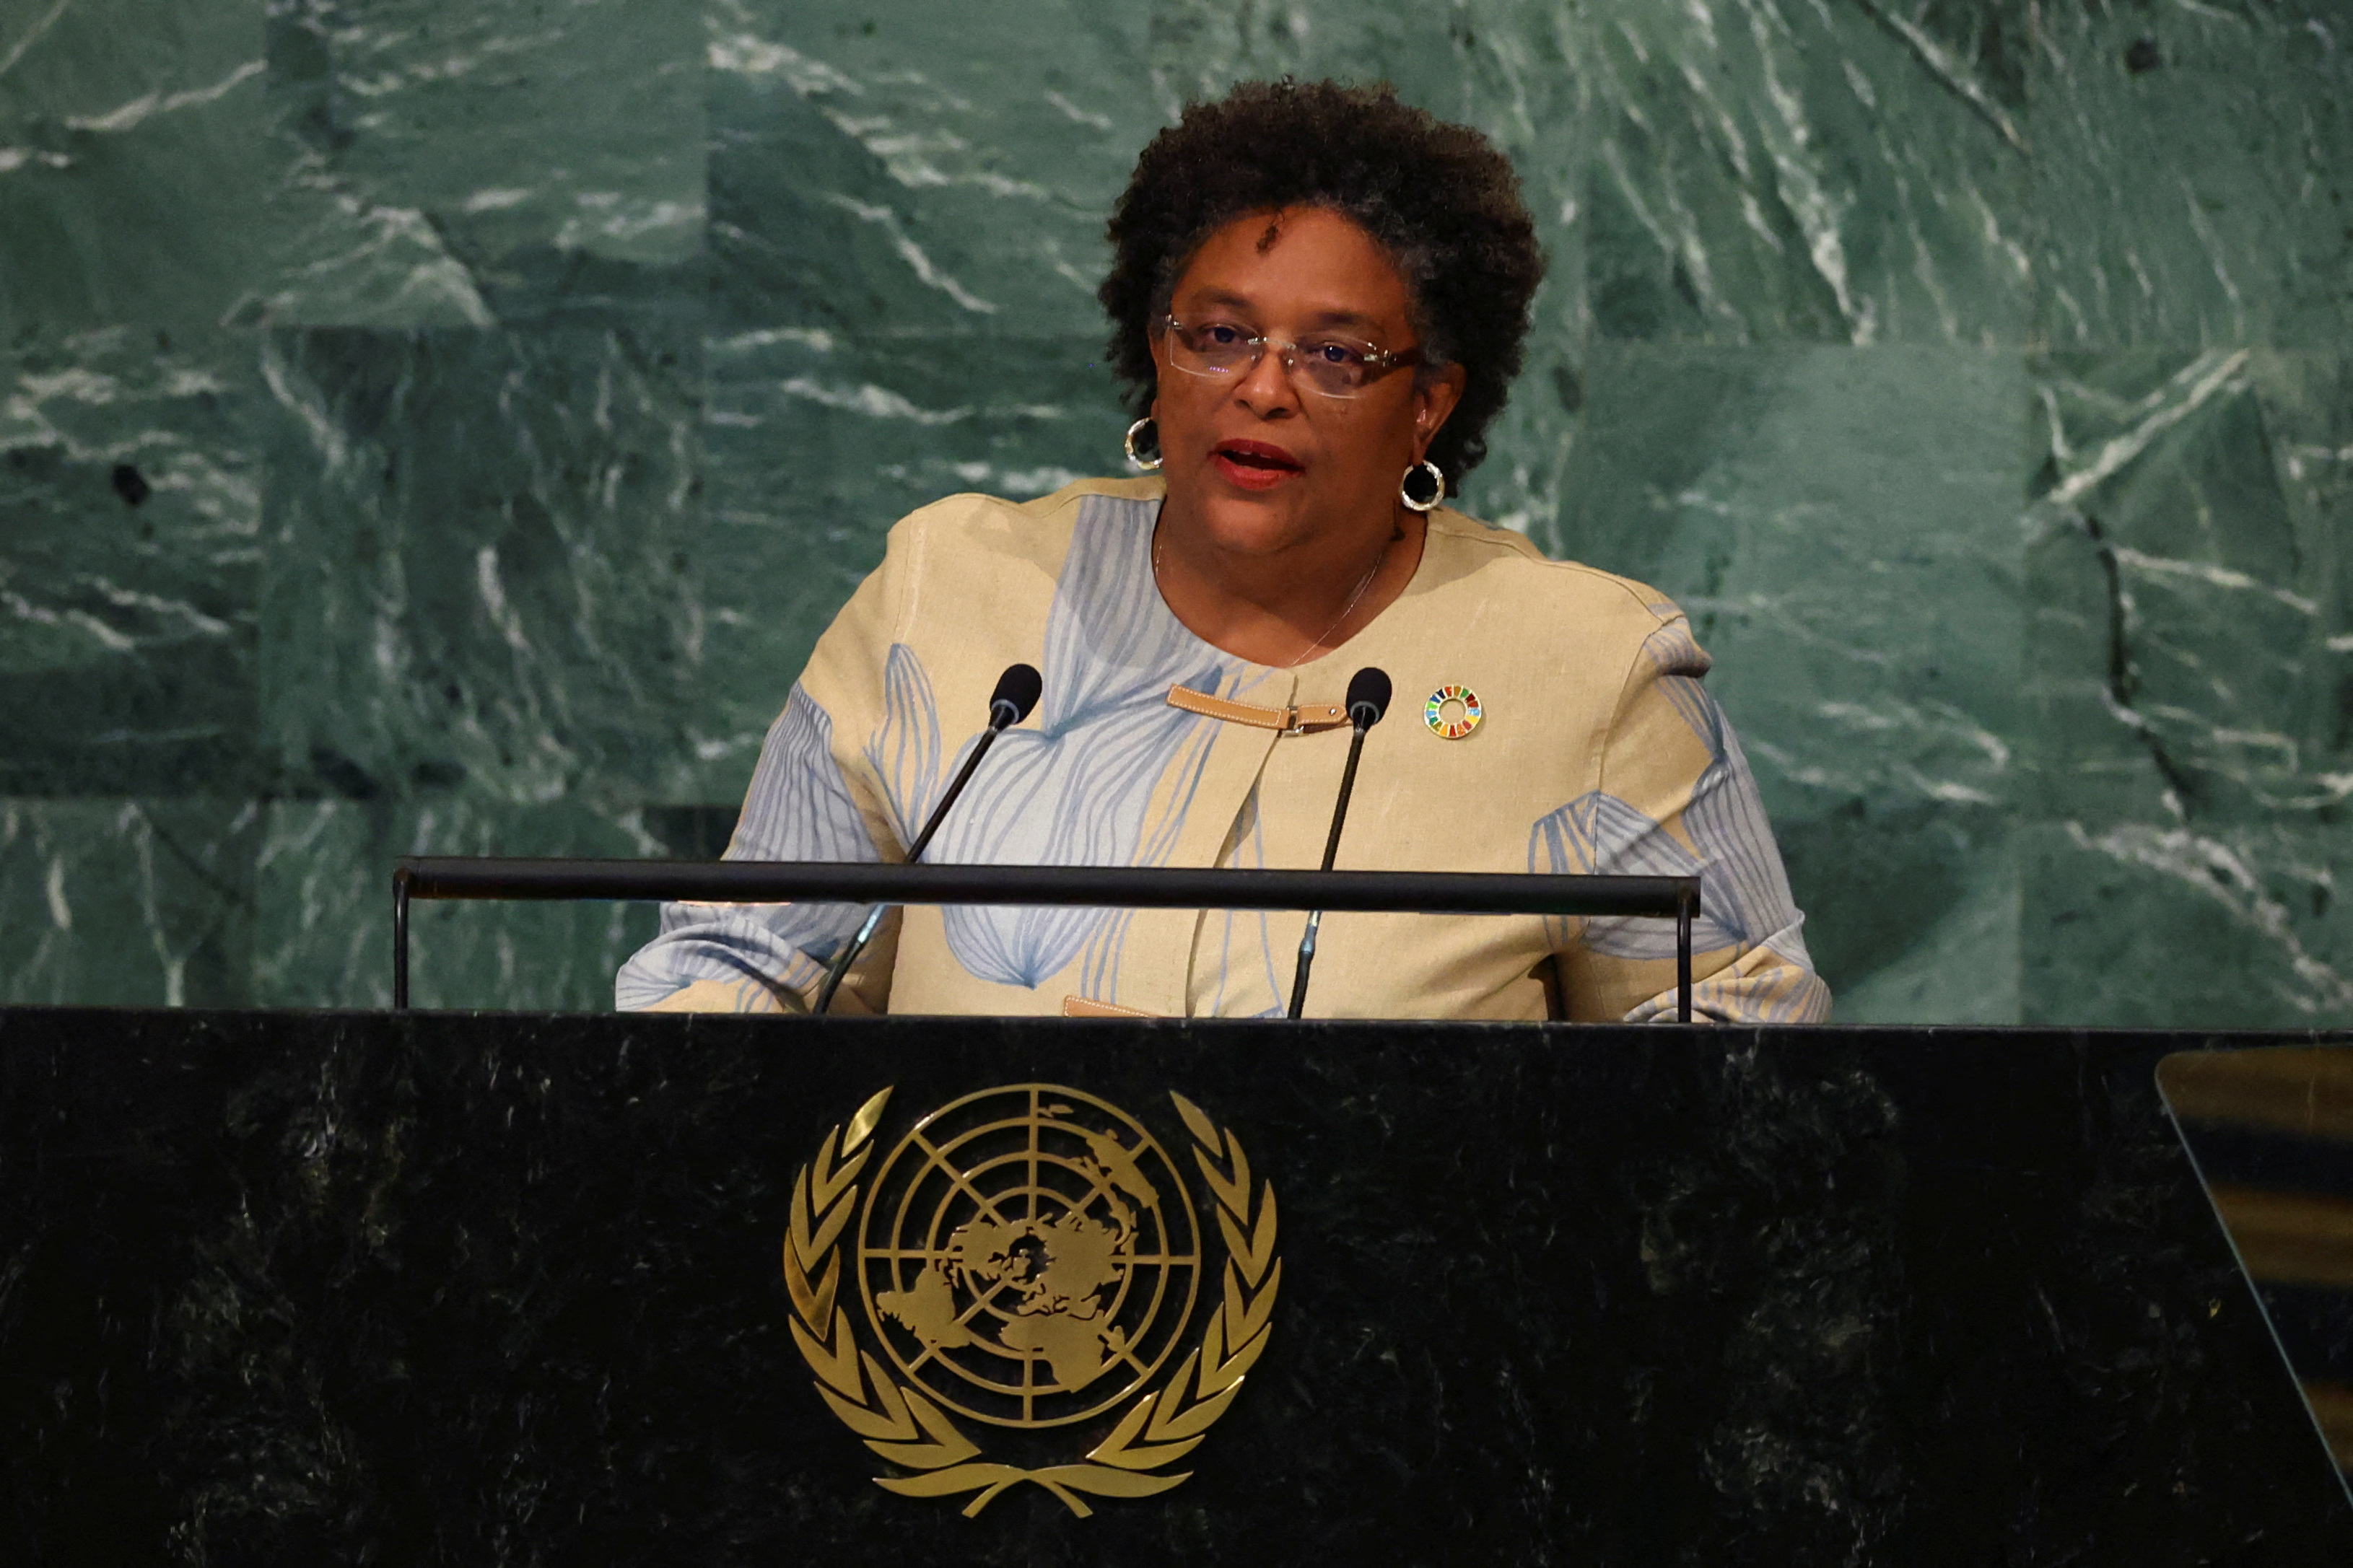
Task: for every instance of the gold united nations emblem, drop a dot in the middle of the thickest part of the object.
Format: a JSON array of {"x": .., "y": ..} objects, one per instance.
[{"x": 1026, "y": 1263}]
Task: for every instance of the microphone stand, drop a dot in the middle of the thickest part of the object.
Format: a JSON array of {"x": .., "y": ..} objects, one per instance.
[
  {"x": 1009, "y": 707},
  {"x": 1367, "y": 700}
]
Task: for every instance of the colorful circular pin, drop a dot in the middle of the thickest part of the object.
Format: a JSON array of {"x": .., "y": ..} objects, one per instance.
[{"x": 1466, "y": 716}]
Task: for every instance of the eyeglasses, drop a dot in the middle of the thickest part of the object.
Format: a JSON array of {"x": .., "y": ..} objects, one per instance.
[{"x": 1327, "y": 363}]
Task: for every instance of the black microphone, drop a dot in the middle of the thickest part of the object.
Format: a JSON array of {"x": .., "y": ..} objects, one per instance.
[
  {"x": 1368, "y": 699},
  {"x": 1016, "y": 693}
]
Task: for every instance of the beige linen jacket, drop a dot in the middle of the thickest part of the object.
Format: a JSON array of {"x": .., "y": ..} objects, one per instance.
[{"x": 1598, "y": 750}]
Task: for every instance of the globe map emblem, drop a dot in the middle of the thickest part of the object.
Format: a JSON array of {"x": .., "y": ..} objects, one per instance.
[{"x": 1028, "y": 1256}]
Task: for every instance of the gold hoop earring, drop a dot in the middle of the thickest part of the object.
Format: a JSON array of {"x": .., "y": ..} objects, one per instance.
[
  {"x": 1437, "y": 487},
  {"x": 1138, "y": 459}
]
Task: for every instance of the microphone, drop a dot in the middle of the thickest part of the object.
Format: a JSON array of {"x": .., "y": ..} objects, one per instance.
[
  {"x": 1016, "y": 693},
  {"x": 1368, "y": 699}
]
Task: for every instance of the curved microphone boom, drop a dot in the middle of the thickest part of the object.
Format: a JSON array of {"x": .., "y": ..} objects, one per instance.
[
  {"x": 1368, "y": 699},
  {"x": 1016, "y": 693}
]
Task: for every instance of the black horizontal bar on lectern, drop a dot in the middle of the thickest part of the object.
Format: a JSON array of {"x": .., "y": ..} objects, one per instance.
[
  {"x": 1105, "y": 887},
  {"x": 1097, "y": 886}
]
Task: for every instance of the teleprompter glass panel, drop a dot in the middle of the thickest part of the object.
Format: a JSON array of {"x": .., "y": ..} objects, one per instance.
[{"x": 2271, "y": 1132}]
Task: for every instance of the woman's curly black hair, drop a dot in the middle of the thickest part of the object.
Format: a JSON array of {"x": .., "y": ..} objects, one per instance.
[{"x": 1439, "y": 198}]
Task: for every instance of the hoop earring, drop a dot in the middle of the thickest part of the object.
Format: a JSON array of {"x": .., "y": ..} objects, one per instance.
[
  {"x": 1138, "y": 459},
  {"x": 1437, "y": 487}
]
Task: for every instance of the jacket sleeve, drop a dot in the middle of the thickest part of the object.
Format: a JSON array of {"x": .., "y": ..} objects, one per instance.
[
  {"x": 810, "y": 799},
  {"x": 1676, "y": 798}
]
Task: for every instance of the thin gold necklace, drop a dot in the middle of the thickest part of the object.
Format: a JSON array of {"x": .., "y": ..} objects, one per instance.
[{"x": 1345, "y": 611}]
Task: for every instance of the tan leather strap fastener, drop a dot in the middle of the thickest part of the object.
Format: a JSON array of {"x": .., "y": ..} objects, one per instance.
[
  {"x": 1088, "y": 1007},
  {"x": 1306, "y": 716}
]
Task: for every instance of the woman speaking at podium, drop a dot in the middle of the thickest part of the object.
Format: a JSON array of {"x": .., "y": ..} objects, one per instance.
[{"x": 1319, "y": 295}]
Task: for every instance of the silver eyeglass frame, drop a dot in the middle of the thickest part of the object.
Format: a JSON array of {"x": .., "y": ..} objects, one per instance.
[{"x": 1377, "y": 363}]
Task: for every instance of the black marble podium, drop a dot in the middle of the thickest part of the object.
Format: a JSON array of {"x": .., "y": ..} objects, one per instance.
[{"x": 442, "y": 1288}]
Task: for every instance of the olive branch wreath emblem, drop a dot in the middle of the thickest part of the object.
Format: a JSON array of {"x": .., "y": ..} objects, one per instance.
[{"x": 897, "y": 1422}]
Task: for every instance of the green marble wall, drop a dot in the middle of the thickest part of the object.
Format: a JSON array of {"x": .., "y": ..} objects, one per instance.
[{"x": 440, "y": 425}]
